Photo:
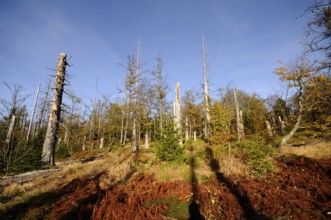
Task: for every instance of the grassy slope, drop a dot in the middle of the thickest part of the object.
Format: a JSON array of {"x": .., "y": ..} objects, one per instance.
[{"x": 115, "y": 167}]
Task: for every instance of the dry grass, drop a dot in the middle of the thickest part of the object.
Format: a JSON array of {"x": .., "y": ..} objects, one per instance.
[
  {"x": 114, "y": 165},
  {"x": 316, "y": 151},
  {"x": 230, "y": 165}
]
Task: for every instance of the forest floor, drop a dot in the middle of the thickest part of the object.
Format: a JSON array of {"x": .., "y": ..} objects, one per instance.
[{"x": 119, "y": 185}]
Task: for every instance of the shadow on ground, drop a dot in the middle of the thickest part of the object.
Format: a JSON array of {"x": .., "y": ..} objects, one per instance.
[{"x": 243, "y": 200}]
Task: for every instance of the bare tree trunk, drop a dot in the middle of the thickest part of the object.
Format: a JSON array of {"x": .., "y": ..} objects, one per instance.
[
  {"x": 84, "y": 143},
  {"x": 24, "y": 122},
  {"x": 146, "y": 140},
  {"x": 122, "y": 128},
  {"x": 177, "y": 113},
  {"x": 206, "y": 91},
  {"x": 269, "y": 129},
  {"x": 54, "y": 117},
  {"x": 8, "y": 141},
  {"x": 101, "y": 142},
  {"x": 10, "y": 130},
  {"x": 91, "y": 136},
  {"x": 194, "y": 135},
  {"x": 32, "y": 114},
  {"x": 43, "y": 107},
  {"x": 240, "y": 125},
  {"x": 186, "y": 129},
  {"x": 297, "y": 123},
  {"x": 134, "y": 137},
  {"x": 282, "y": 125}
]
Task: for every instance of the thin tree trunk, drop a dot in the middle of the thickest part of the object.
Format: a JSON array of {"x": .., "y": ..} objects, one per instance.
[
  {"x": 43, "y": 107},
  {"x": 101, "y": 142},
  {"x": 177, "y": 113},
  {"x": 54, "y": 117},
  {"x": 24, "y": 122},
  {"x": 122, "y": 128},
  {"x": 186, "y": 129},
  {"x": 206, "y": 91},
  {"x": 269, "y": 129},
  {"x": 146, "y": 140},
  {"x": 32, "y": 114},
  {"x": 84, "y": 143},
  {"x": 241, "y": 124},
  {"x": 134, "y": 137},
  {"x": 161, "y": 117},
  {"x": 236, "y": 103},
  {"x": 10, "y": 132},
  {"x": 282, "y": 125},
  {"x": 297, "y": 123},
  {"x": 91, "y": 136}
]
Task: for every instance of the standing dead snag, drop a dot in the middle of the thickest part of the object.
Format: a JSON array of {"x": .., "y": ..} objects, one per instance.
[
  {"x": 206, "y": 91},
  {"x": 239, "y": 117},
  {"x": 32, "y": 114},
  {"x": 55, "y": 113},
  {"x": 177, "y": 113}
]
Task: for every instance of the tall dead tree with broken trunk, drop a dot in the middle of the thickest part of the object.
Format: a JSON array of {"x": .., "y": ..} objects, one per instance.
[
  {"x": 206, "y": 91},
  {"x": 177, "y": 113},
  {"x": 55, "y": 113},
  {"x": 239, "y": 118}
]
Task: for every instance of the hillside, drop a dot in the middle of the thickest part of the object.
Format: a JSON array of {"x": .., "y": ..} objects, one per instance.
[{"x": 207, "y": 184}]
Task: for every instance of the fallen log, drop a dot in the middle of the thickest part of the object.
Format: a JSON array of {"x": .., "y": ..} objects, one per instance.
[{"x": 25, "y": 177}]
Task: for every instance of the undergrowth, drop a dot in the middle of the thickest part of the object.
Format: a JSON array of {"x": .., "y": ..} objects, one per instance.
[{"x": 256, "y": 154}]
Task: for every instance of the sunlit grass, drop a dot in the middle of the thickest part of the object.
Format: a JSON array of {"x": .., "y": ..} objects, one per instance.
[
  {"x": 316, "y": 151},
  {"x": 114, "y": 165}
]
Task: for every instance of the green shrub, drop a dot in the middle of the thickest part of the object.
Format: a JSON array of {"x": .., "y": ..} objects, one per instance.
[
  {"x": 256, "y": 154},
  {"x": 168, "y": 148},
  {"x": 62, "y": 150}
]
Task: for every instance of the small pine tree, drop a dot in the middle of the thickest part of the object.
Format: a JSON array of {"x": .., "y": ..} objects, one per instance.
[{"x": 169, "y": 149}]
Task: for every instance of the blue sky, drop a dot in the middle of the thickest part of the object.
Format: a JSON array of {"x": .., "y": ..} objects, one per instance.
[{"x": 245, "y": 39}]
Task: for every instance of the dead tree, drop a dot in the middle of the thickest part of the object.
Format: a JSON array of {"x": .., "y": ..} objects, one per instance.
[
  {"x": 206, "y": 91},
  {"x": 134, "y": 146},
  {"x": 91, "y": 135},
  {"x": 282, "y": 125},
  {"x": 239, "y": 118},
  {"x": 43, "y": 107},
  {"x": 9, "y": 141},
  {"x": 32, "y": 114},
  {"x": 269, "y": 128},
  {"x": 177, "y": 112},
  {"x": 55, "y": 113},
  {"x": 186, "y": 129}
]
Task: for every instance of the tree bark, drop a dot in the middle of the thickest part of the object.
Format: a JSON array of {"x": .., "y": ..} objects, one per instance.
[
  {"x": 186, "y": 129},
  {"x": 282, "y": 125},
  {"x": 101, "y": 142},
  {"x": 54, "y": 116},
  {"x": 10, "y": 130},
  {"x": 84, "y": 143},
  {"x": 269, "y": 129},
  {"x": 240, "y": 126},
  {"x": 206, "y": 91},
  {"x": 177, "y": 113},
  {"x": 32, "y": 114},
  {"x": 146, "y": 140},
  {"x": 43, "y": 107},
  {"x": 134, "y": 137},
  {"x": 297, "y": 123}
]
